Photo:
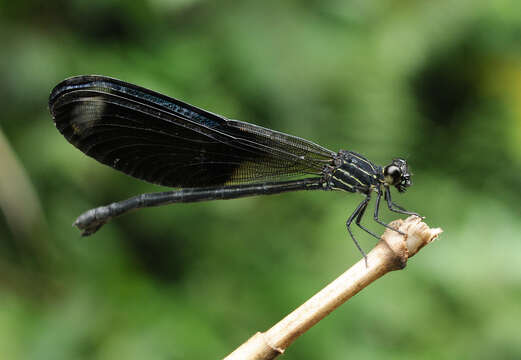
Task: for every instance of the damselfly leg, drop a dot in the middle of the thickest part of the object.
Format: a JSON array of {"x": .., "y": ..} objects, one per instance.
[
  {"x": 376, "y": 216},
  {"x": 360, "y": 209},
  {"x": 361, "y": 214},
  {"x": 395, "y": 207}
]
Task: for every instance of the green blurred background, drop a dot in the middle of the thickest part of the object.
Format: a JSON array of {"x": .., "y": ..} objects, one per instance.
[{"x": 436, "y": 82}]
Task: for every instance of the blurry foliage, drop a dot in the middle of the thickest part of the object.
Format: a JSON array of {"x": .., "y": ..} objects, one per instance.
[{"x": 436, "y": 82}]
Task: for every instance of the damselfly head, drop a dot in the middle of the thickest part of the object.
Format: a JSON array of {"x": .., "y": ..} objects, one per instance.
[{"x": 397, "y": 174}]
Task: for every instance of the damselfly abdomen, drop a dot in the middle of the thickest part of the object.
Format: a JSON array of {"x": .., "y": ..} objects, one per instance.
[{"x": 207, "y": 157}]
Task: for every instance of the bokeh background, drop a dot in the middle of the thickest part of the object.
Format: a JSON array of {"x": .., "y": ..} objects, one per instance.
[{"x": 436, "y": 82}]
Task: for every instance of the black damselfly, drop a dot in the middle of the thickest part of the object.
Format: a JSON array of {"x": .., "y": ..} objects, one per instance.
[{"x": 168, "y": 142}]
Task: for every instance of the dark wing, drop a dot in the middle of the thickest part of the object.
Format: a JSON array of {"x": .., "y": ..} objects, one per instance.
[{"x": 165, "y": 141}]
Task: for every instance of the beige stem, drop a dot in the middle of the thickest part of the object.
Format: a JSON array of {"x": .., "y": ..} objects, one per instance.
[{"x": 391, "y": 253}]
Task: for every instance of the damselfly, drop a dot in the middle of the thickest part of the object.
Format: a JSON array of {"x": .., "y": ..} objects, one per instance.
[{"x": 168, "y": 142}]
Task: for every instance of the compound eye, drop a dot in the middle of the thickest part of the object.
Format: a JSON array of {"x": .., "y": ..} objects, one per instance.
[{"x": 392, "y": 174}]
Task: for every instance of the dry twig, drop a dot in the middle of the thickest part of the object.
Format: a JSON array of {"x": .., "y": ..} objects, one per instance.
[{"x": 391, "y": 253}]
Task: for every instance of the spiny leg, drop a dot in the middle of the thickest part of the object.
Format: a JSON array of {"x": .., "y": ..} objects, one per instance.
[
  {"x": 355, "y": 213},
  {"x": 394, "y": 207},
  {"x": 377, "y": 209},
  {"x": 359, "y": 218}
]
